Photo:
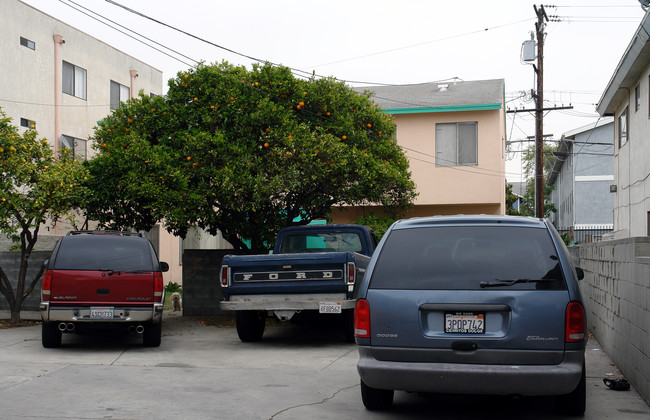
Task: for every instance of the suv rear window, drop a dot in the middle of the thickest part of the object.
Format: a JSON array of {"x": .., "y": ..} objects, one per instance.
[
  {"x": 321, "y": 242},
  {"x": 461, "y": 257},
  {"x": 104, "y": 252}
]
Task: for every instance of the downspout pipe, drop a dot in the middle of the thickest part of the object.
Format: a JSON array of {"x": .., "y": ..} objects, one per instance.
[
  {"x": 58, "y": 41},
  {"x": 134, "y": 74}
]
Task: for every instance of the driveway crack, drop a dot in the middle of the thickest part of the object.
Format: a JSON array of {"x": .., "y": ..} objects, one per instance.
[{"x": 324, "y": 400}]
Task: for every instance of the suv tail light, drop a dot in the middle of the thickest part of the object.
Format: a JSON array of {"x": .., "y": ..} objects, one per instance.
[
  {"x": 158, "y": 285},
  {"x": 224, "y": 276},
  {"x": 362, "y": 319},
  {"x": 352, "y": 270},
  {"x": 46, "y": 289},
  {"x": 576, "y": 323}
]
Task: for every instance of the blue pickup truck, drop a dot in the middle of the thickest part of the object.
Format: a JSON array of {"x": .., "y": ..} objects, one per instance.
[{"x": 313, "y": 269}]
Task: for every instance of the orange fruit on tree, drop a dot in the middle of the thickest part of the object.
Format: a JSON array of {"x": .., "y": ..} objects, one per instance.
[{"x": 189, "y": 158}]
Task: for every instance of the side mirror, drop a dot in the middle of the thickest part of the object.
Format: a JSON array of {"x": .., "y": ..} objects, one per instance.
[
  {"x": 164, "y": 267},
  {"x": 580, "y": 272},
  {"x": 45, "y": 263}
]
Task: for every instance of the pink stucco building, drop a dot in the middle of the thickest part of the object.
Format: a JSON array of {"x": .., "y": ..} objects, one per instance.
[{"x": 454, "y": 137}]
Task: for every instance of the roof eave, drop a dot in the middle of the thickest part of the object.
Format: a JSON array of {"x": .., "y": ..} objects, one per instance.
[
  {"x": 457, "y": 108},
  {"x": 627, "y": 72}
]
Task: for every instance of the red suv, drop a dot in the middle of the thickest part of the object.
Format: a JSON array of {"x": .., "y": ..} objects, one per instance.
[{"x": 97, "y": 280}]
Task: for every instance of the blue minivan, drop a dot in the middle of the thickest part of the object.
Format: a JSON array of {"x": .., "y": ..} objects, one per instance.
[{"x": 484, "y": 305}]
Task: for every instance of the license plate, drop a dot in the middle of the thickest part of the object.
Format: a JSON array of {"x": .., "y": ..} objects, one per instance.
[
  {"x": 465, "y": 323},
  {"x": 101, "y": 313},
  {"x": 329, "y": 308}
]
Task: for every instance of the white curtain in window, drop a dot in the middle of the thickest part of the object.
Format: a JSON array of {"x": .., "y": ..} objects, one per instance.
[
  {"x": 125, "y": 93},
  {"x": 79, "y": 82},
  {"x": 446, "y": 152},
  {"x": 467, "y": 144}
]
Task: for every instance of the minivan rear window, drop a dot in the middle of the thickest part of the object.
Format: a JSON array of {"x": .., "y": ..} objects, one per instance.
[
  {"x": 463, "y": 257},
  {"x": 104, "y": 252}
]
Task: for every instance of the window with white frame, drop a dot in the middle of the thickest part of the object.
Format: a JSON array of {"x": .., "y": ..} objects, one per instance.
[
  {"x": 75, "y": 146},
  {"x": 119, "y": 93},
  {"x": 74, "y": 80},
  {"x": 622, "y": 128},
  {"x": 457, "y": 144},
  {"x": 637, "y": 98}
]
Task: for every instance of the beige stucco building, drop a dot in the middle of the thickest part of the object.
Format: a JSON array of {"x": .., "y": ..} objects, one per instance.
[
  {"x": 454, "y": 137},
  {"x": 61, "y": 82}
]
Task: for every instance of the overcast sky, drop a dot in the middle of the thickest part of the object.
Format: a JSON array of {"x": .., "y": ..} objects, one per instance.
[{"x": 382, "y": 41}]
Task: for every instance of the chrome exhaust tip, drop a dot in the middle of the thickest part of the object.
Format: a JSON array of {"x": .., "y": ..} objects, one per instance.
[
  {"x": 139, "y": 329},
  {"x": 62, "y": 327},
  {"x": 70, "y": 326},
  {"x": 131, "y": 328}
]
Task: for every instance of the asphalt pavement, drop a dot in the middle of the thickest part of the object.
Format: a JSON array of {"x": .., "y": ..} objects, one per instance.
[{"x": 202, "y": 371}]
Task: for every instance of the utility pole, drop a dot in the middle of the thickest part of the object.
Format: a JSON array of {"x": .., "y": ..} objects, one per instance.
[{"x": 539, "y": 113}]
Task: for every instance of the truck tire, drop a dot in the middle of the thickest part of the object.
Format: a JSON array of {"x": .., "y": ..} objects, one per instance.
[
  {"x": 50, "y": 335},
  {"x": 152, "y": 334},
  {"x": 348, "y": 325},
  {"x": 250, "y": 325}
]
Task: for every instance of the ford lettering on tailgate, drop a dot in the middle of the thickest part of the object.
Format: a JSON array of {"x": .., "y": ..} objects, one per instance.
[{"x": 290, "y": 275}]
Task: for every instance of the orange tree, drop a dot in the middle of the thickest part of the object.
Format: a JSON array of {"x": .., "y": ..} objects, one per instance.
[
  {"x": 245, "y": 152},
  {"x": 35, "y": 188}
]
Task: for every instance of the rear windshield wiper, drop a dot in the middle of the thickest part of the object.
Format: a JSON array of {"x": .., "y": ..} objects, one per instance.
[{"x": 510, "y": 282}]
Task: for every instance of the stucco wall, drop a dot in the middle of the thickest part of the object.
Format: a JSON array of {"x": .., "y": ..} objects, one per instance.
[
  {"x": 30, "y": 92},
  {"x": 632, "y": 166},
  {"x": 473, "y": 184},
  {"x": 616, "y": 290}
]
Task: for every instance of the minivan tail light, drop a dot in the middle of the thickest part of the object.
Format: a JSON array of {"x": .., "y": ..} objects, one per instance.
[
  {"x": 362, "y": 319},
  {"x": 224, "y": 276},
  {"x": 158, "y": 285},
  {"x": 352, "y": 270},
  {"x": 576, "y": 323},
  {"x": 46, "y": 288}
]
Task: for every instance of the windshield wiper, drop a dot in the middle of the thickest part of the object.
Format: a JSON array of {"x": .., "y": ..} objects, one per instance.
[{"x": 510, "y": 282}]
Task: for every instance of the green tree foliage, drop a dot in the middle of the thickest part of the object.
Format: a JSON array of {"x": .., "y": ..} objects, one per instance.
[
  {"x": 245, "y": 152},
  {"x": 378, "y": 224},
  {"x": 35, "y": 187},
  {"x": 528, "y": 159},
  {"x": 511, "y": 199}
]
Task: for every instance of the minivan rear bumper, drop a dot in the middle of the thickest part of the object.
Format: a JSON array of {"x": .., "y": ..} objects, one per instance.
[
  {"x": 51, "y": 313},
  {"x": 482, "y": 379}
]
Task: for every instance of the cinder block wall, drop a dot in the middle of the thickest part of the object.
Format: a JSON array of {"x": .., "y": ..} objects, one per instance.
[
  {"x": 616, "y": 290},
  {"x": 201, "y": 287},
  {"x": 10, "y": 263}
]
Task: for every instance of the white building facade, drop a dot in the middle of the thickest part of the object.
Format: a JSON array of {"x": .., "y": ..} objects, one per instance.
[
  {"x": 62, "y": 82},
  {"x": 627, "y": 99}
]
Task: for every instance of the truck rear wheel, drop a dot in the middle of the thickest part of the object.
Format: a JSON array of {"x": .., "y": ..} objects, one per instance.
[
  {"x": 50, "y": 335},
  {"x": 250, "y": 325},
  {"x": 152, "y": 334}
]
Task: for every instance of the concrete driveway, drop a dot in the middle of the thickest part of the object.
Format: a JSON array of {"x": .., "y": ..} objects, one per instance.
[{"x": 204, "y": 372}]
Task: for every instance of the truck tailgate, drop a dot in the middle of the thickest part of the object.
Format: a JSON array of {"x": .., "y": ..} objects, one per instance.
[{"x": 102, "y": 287}]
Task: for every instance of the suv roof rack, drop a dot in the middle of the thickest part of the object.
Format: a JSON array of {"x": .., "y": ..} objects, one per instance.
[{"x": 104, "y": 232}]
